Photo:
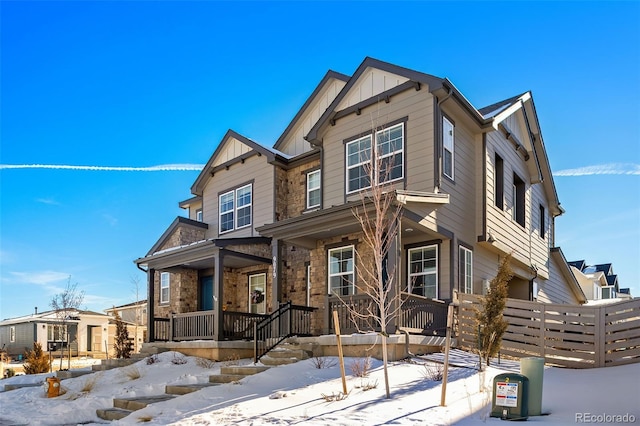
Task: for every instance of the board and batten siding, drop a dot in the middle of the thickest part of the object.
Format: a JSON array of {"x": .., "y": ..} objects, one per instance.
[
  {"x": 417, "y": 107},
  {"x": 500, "y": 225},
  {"x": 24, "y": 338},
  {"x": 295, "y": 144},
  {"x": 255, "y": 170}
]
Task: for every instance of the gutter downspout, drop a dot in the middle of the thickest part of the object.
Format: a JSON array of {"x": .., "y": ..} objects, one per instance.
[
  {"x": 436, "y": 188},
  {"x": 150, "y": 308}
]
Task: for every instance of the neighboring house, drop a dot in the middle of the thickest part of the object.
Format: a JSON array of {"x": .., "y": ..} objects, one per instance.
[
  {"x": 133, "y": 313},
  {"x": 598, "y": 282},
  {"x": 271, "y": 225},
  {"x": 83, "y": 332}
]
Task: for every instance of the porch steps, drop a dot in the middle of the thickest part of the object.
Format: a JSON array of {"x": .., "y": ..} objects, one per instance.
[
  {"x": 286, "y": 353},
  {"x": 122, "y": 407},
  {"x": 186, "y": 389}
]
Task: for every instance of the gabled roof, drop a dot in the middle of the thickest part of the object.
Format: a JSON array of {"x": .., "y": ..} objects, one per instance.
[
  {"x": 414, "y": 76},
  {"x": 492, "y": 110},
  {"x": 178, "y": 221},
  {"x": 604, "y": 267},
  {"x": 578, "y": 264},
  {"x": 327, "y": 78},
  {"x": 254, "y": 149},
  {"x": 50, "y": 316}
]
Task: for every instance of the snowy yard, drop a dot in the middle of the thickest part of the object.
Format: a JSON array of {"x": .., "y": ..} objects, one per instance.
[{"x": 298, "y": 393}]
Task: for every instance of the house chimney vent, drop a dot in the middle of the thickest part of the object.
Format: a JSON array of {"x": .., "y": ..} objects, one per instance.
[{"x": 36, "y": 310}]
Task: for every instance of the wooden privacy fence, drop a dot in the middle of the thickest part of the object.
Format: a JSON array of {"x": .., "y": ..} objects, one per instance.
[{"x": 565, "y": 335}]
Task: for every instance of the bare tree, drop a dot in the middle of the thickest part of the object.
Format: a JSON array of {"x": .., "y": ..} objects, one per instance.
[
  {"x": 379, "y": 217},
  {"x": 66, "y": 305}
]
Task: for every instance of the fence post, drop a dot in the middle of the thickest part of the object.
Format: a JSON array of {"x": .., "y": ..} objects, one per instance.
[
  {"x": 543, "y": 329},
  {"x": 255, "y": 342},
  {"x": 599, "y": 332}
]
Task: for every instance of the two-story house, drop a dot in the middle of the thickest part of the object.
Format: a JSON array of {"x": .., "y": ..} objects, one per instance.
[
  {"x": 598, "y": 282},
  {"x": 271, "y": 225}
]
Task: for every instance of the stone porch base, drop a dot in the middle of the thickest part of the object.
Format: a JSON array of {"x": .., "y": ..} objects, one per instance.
[{"x": 355, "y": 345}]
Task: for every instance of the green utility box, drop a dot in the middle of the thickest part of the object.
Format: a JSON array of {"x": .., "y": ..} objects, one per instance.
[{"x": 510, "y": 397}]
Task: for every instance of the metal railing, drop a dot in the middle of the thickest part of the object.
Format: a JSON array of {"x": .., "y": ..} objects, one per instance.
[
  {"x": 239, "y": 325},
  {"x": 288, "y": 320},
  {"x": 418, "y": 315}
]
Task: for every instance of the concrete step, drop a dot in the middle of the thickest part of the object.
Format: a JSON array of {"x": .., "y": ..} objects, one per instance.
[
  {"x": 268, "y": 360},
  {"x": 288, "y": 353},
  {"x": 138, "y": 403},
  {"x": 70, "y": 374},
  {"x": 186, "y": 389},
  {"x": 226, "y": 378},
  {"x": 112, "y": 414},
  {"x": 246, "y": 370},
  {"x": 21, "y": 385}
]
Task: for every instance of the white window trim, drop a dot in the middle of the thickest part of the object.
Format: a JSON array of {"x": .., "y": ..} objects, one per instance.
[
  {"x": 352, "y": 273},
  {"x": 164, "y": 285},
  {"x": 309, "y": 189},
  {"x": 220, "y": 212},
  {"x": 199, "y": 215},
  {"x": 451, "y": 148},
  {"x": 374, "y": 175},
  {"x": 235, "y": 209},
  {"x": 12, "y": 334},
  {"x": 410, "y": 274},
  {"x": 353, "y": 166},
  {"x": 309, "y": 285},
  {"x": 465, "y": 253}
]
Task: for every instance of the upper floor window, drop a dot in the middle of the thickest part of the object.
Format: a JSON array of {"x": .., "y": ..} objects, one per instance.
[
  {"x": 466, "y": 270},
  {"x": 498, "y": 181},
  {"x": 235, "y": 209},
  {"x": 165, "y": 283},
  {"x": 518, "y": 199},
  {"x": 389, "y": 155},
  {"x": 543, "y": 220},
  {"x": 341, "y": 271},
  {"x": 423, "y": 271},
  {"x": 199, "y": 215},
  {"x": 313, "y": 189},
  {"x": 448, "y": 143},
  {"x": 12, "y": 334}
]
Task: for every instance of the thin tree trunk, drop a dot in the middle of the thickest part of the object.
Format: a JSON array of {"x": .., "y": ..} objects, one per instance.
[{"x": 384, "y": 363}]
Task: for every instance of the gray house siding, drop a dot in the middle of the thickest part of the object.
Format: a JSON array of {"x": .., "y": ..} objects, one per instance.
[{"x": 254, "y": 170}]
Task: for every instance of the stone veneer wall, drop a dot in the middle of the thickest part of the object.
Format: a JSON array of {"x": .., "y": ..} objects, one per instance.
[
  {"x": 236, "y": 287},
  {"x": 183, "y": 293},
  {"x": 295, "y": 197},
  {"x": 183, "y": 235}
]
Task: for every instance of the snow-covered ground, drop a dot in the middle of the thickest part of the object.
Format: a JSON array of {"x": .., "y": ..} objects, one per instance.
[{"x": 299, "y": 393}]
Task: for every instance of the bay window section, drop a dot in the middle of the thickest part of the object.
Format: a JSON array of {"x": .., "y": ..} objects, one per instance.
[
  {"x": 423, "y": 271},
  {"x": 341, "y": 271}
]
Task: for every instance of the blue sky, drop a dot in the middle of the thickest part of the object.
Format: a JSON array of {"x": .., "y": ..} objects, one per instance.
[{"x": 144, "y": 84}]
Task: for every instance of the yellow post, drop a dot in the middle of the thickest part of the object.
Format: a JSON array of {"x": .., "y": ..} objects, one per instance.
[
  {"x": 447, "y": 345},
  {"x": 336, "y": 325}
]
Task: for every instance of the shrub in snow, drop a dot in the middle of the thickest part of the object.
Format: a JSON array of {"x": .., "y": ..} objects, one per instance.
[
  {"x": 360, "y": 367},
  {"x": 123, "y": 345},
  {"x": 323, "y": 362},
  {"x": 36, "y": 361}
]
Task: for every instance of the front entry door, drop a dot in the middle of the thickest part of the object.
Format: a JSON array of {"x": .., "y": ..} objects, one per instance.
[{"x": 206, "y": 293}]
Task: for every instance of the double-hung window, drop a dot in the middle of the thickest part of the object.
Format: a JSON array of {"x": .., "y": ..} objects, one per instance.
[
  {"x": 165, "y": 282},
  {"x": 423, "y": 271},
  {"x": 258, "y": 293},
  {"x": 341, "y": 271},
  {"x": 448, "y": 143},
  {"x": 12, "y": 334},
  {"x": 518, "y": 197},
  {"x": 313, "y": 189},
  {"x": 466, "y": 270},
  {"x": 235, "y": 209},
  {"x": 388, "y": 152}
]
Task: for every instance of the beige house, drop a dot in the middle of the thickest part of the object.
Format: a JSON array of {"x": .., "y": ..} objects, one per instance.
[
  {"x": 267, "y": 226},
  {"x": 598, "y": 282}
]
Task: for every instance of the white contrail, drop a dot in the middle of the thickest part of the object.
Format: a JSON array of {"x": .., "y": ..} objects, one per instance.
[
  {"x": 602, "y": 169},
  {"x": 159, "y": 168}
]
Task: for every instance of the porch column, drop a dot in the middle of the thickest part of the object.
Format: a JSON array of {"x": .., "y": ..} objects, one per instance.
[
  {"x": 151, "y": 291},
  {"x": 276, "y": 263},
  {"x": 218, "y": 297}
]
